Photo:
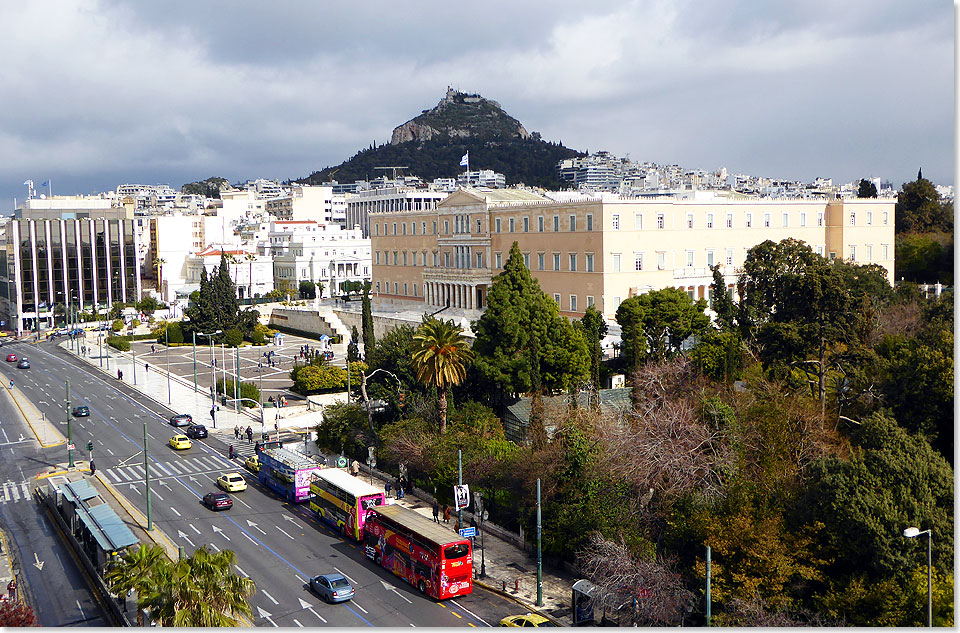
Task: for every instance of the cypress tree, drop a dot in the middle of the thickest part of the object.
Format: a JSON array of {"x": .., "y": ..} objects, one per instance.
[{"x": 366, "y": 324}]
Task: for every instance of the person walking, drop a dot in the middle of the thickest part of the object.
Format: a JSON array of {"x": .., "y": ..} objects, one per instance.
[
  {"x": 93, "y": 469},
  {"x": 236, "y": 431},
  {"x": 249, "y": 434},
  {"x": 436, "y": 512},
  {"x": 146, "y": 367},
  {"x": 231, "y": 451},
  {"x": 446, "y": 513}
]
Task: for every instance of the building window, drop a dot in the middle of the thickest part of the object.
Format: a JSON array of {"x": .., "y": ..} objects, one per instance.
[
  {"x": 556, "y": 261},
  {"x": 886, "y": 218},
  {"x": 785, "y": 220},
  {"x": 526, "y": 260},
  {"x": 404, "y": 289},
  {"x": 853, "y": 253},
  {"x": 395, "y": 255},
  {"x": 446, "y": 227},
  {"x": 589, "y": 262},
  {"x": 638, "y": 261},
  {"x": 869, "y": 220},
  {"x": 589, "y": 221},
  {"x": 540, "y": 224},
  {"x": 766, "y": 220},
  {"x": 660, "y": 220},
  {"x": 820, "y": 218},
  {"x": 499, "y": 260},
  {"x": 884, "y": 251},
  {"x": 869, "y": 252},
  {"x": 637, "y": 221},
  {"x": 729, "y": 257},
  {"x": 394, "y": 228},
  {"x": 378, "y": 286},
  {"x": 573, "y": 262},
  {"x": 853, "y": 218},
  {"x": 435, "y": 258},
  {"x": 748, "y": 222},
  {"x": 404, "y": 258},
  {"x": 540, "y": 259},
  {"x": 378, "y": 258},
  {"x": 615, "y": 221},
  {"x": 526, "y": 225},
  {"x": 803, "y": 219},
  {"x": 616, "y": 302},
  {"x": 556, "y": 297},
  {"x": 403, "y": 227},
  {"x": 690, "y": 259},
  {"x": 423, "y": 227},
  {"x": 573, "y": 303},
  {"x": 616, "y": 263},
  {"x": 689, "y": 220},
  {"x": 820, "y": 251},
  {"x": 589, "y": 300},
  {"x": 709, "y": 220},
  {"x": 376, "y": 227},
  {"x": 434, "y": 227},
  {"x": 709, "y": 258},
  {"x": 446, "y": 259},
  {"x": 414, "y": 290},
  {"x": 396, "y": 288},
  {"x": 556, "y": 224},
  {"x": 729, "y": 220},
  {"x": 573, "y": 223},
  {"x": 661, "y": 260},
  {"x": 496, "y": 224},
  {"x": 511, "y": 223}
]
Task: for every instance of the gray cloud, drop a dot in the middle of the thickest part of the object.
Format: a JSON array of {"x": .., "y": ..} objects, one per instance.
[{"x": 105, "y": 92}]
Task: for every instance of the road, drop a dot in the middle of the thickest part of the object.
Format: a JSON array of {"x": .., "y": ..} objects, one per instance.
[
  {"x": 48, "y": 570},
  {"x": 278, "y": 545}
]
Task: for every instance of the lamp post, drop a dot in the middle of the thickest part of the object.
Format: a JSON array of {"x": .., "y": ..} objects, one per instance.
[
  {"x": 912, "y": 532},
  {"x": 166, "y": 340},
  {"x": 213, "y": 374}
]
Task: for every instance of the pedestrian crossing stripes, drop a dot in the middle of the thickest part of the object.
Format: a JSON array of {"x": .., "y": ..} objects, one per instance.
[
  {"x": 13, "y": 492},
  {"x": 158, "y": 470}
]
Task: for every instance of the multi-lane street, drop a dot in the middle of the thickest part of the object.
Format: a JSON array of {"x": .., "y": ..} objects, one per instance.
[{"x": 279, "y": 545}]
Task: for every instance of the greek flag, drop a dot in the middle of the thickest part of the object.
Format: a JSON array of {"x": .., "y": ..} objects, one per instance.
[
  {"x": 46, "y": 183},
  {"x": 29, "y": 183},
  {"x": 465, "y": 161}
]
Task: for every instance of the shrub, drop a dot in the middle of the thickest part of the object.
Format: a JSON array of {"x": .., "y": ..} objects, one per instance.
[
  {"x": 256, "y": 337},
  {"x": 247, "y": 390},
  {"x": 135, "y": 323},
  {"x": 313, "y": 379},
  {"x": 175, "y": 332},
  {"x": 118, "y": 342},
  {"x": 117, "y": 325},
  {"x": 233, "y": 337}
]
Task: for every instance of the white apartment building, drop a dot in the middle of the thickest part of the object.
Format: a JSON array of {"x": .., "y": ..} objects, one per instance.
[
  {"x": 305, "y": 250},
  {"x": 482, "y": 178},
  {"x": 173, "y": 239},
  {"x": 250, "y": 272},
  {"x": 307, "y": 202},
  {"x": 389, "y": 199}
]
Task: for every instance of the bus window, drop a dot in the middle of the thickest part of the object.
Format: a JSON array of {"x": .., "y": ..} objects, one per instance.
[
  {"x": 371, "y": 502},
  {"x": 370, "y": 539},
  {"x": 456, "y": 551}
]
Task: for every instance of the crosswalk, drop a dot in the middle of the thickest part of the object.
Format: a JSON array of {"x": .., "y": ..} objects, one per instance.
[
  {"x": 177, "y": 468},
  {"x": 13, "y": 492}
]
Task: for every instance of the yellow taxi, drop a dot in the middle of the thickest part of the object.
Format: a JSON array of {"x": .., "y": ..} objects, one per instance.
[
  {"x": 180, "y": 442},
  {"x": 530, "y": 619},
  {"x": 252, "y": 464},
  {"x": 232, "y": 482}
]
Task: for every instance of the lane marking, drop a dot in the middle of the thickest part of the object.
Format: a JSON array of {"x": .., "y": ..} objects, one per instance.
[
  {"x": 352, "y": 581},
  {"x": 271, "y": 597},
  {"x": 174, "y": 510},
  {"x": 358, "y": 606}
]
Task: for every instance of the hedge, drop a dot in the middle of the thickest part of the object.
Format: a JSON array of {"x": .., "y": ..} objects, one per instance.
[{"x": 119, "y": 343}]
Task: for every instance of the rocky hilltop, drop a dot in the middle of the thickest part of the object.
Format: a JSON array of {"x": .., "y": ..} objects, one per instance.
[{"x": 460, "y": 115}]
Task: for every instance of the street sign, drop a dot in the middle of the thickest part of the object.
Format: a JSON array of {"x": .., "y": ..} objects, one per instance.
[
  {"x": 342, "y": 462},
  {"x": 71, "y": 447},
  {"x": 469, "y": 532},
  {"x": 461, "y": 497}
]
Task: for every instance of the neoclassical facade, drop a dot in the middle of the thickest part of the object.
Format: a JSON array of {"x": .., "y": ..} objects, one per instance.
[{"x": 601, "y": 250}]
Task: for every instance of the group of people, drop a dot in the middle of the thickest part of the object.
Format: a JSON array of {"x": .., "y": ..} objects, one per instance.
[
  {"x": 280, "y": 401},
  {"x": 269, "y": 359},
  {"x": 238, "y": 432},
  {"x": 447, "y": 512}
]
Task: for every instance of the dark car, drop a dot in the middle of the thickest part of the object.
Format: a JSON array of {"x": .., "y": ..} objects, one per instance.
[
  {"x": 217, "y": 501},
  {"x": 182, "y": 419},
  {"x": 196, "y": 431},
  {"x": 82, "y": 411},
  {"x": 23, "y": 364},
  {"x": 332, "y": 587}
]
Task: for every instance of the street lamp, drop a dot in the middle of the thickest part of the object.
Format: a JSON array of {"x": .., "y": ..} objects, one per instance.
[
  {"x": 912, "y": 532},
  {"x": 213, "y": 374}
]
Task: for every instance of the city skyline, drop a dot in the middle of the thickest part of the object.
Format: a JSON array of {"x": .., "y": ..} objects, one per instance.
[{"x": 105, "y": 92}]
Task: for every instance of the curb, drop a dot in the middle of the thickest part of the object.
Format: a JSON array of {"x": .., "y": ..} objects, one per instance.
[
  {"x": 30, "y": 424},
  {"x": 522, "y": 603}
]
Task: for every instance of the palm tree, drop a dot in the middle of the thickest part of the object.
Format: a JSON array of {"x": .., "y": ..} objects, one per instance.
[
  {"x": 440, "y": 358},
  {"x": 158, "y": 264},
  {"x": 137, "y": 570}
]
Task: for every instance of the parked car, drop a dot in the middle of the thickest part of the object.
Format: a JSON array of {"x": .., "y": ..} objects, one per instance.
[
  {"x": 180, "y": 442},
  {"x": 23, "y": 364},
  {"x": 83, "y": 411},
  {"x": 11, "y": 358},
  {"x": 232, "y": 482},
  {"x": 252, "y": 464},
  {"x": 181, "y": 419},
  {"x": 530, "y": 619},
  {"x": 217, "y": 501},
  {"x": 196, "y": 431},
  {"x": 332, "y": 587}
]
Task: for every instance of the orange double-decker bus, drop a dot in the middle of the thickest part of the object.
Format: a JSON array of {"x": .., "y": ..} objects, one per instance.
[{"x": 434, "y": 559}]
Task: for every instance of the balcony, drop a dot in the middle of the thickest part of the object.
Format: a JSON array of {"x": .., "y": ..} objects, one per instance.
[{"x": 458, "y": 275}]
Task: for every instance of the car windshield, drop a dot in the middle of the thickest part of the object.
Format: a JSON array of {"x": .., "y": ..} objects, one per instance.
[{"x": 339, "y": 582}]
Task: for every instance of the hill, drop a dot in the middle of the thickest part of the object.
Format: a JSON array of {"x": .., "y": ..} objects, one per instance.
[{"x": 431, "y": 145}]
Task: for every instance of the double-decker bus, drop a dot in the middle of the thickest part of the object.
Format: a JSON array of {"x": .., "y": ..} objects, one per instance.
[
  {"x": 434, "y": 559},
  {"x": 342, "y": 500},
  {"x": 287, "y": 473}
]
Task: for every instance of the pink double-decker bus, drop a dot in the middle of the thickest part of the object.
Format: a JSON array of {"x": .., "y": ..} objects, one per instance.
[{"x": 343, "y": 500}]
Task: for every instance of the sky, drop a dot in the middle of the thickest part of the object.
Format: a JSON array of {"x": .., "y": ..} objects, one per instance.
[{"x": 99, "y": 93}]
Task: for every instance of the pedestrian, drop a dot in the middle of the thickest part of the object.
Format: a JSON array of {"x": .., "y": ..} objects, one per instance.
[
  {"x": 146, "y": 367},
  {"x": 256, "y": 448},
  {"x": 249, "y": 434},
  {"x": 119, "y": 375},
  {"x": 355, "y": 467},
  {"x": 231, "y": 451},
  {"x": 236, "y": 431},
  {"x": 213, "y": 414},
  {"x": 386, "y": 488},
  {"x": 399, "y": 490},
  {"x": 153, "y": 349},
  {"x": 93, "y": 469},
  {"x": 436, "y": 512},
  {"x": 276, "y": 427},
  {"x": 446, "y": 513}
]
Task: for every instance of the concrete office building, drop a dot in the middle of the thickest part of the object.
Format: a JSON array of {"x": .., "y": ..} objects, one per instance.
[{"x": 602, "y": 250}]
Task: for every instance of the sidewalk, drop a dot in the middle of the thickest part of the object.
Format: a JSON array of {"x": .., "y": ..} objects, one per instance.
[{"x": 510, "y": 571}]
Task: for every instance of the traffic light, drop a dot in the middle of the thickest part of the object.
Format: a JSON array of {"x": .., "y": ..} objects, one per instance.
[{"x": 90, "y": 445}]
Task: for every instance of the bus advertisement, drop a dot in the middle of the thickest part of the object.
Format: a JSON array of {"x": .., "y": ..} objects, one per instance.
[
  {"x": 429, "y": 556},
  {"x": 343, "y": 500},
  {"x": 287, "y": 473}
]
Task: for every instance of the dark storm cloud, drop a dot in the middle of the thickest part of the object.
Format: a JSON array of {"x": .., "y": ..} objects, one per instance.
[{"x": 105, "y": 92}]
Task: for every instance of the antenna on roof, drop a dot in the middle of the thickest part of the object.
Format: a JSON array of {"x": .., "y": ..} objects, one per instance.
[{"x": 394, "y": 170}]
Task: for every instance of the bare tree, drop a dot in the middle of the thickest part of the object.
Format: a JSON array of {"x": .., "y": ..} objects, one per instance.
[
  {"x": 755, "y": 612},
  {"x": 650, "y": 590}
]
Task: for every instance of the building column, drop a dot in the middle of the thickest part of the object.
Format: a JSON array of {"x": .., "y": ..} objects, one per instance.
[
  {"x": 430, "y": 293},
  {"x": 470, "y": 294}
]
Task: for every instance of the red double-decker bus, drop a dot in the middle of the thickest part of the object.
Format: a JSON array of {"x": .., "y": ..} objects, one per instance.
[{"x": 434, "y": 559}]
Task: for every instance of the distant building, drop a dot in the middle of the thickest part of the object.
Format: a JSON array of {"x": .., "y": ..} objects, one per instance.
[{"x": 387, "y": 199}]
